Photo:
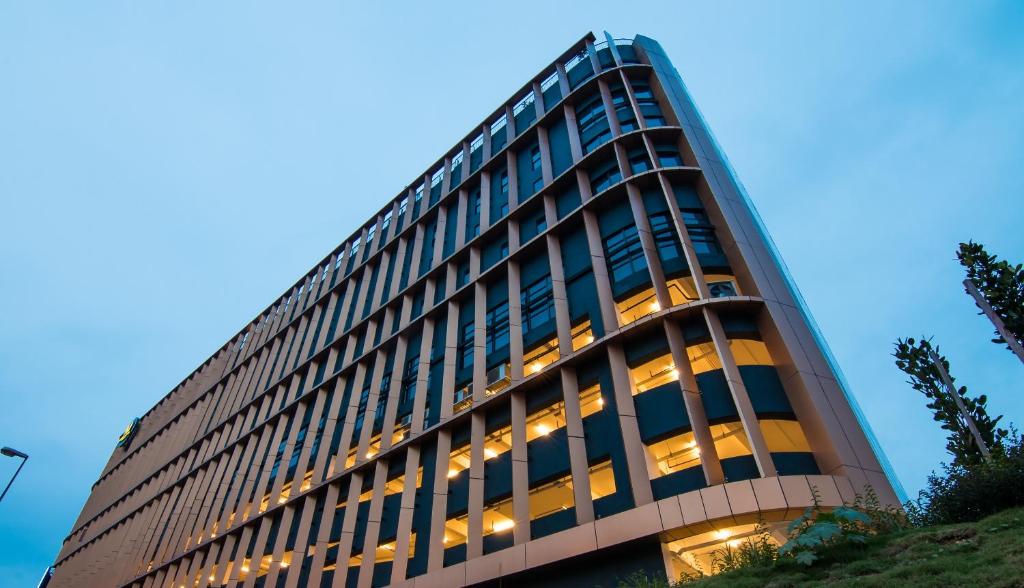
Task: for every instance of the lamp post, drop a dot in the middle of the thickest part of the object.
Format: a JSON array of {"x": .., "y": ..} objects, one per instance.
[{"x": 10, "y": 452}]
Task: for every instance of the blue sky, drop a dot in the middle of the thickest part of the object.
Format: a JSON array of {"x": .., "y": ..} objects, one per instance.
[{"x": 168, "y": 168}]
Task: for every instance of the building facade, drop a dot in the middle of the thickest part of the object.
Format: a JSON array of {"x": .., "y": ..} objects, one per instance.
[{"x": 566, "y": 353}]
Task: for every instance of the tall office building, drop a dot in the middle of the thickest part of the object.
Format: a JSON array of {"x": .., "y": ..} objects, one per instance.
[{"x": 567, "y": 352}]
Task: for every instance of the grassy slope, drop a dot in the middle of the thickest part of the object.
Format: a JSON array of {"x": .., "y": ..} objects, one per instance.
[{"x": 986, "y": 554}]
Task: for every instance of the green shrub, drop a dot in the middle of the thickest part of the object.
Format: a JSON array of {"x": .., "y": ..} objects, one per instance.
[
  {"x": 758, "y": 550},
  {"x": 970, "y": 493},
  {"x": 817, "y": 529}
]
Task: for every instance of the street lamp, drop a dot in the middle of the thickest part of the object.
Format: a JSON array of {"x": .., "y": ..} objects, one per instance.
[{"x": 10, "y": 452}]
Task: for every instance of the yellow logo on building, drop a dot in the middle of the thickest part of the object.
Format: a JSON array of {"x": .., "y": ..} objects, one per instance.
[{"x": 128, "y": 433}]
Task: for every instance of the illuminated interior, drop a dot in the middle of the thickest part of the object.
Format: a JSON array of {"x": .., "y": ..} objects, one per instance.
[
  {"x": 591, "y": 401},
  {"x": 637, "y": 306},
  {"x": 654, "y": 373},
  {"x": 350, "y": 459},
  {"x": 497, "y": 442},
  {"x": 602, "y": 480},
  {"x": 582, "y": 335},
  {"x": 680, "y": 452},
  {"x": 498, "y": 378},
  {"x": 401, "y": 430},
  {"x": 458, "y": 460},
  {"x": 463, "y": 399},
  {"x": 456, "y": 530},
  {"x": 545, "y": 420},
  {"x": 374, "y": 446},
  {"x": 386, "y": 551},
  {"x": 307, "y": 481},
  {"x": 703, "y": 357},
  {"x": 695, "y": 555},
  {"x": 682, "y": 290},
  {"x": 536, "y": 358},
  {"x": 551, "y": 498},
  {"x": 498, "y": 518},
  {"x": 783, "y": 436}
]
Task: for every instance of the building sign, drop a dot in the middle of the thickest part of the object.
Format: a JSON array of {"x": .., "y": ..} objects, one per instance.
[{"x": 129, "y": 432}]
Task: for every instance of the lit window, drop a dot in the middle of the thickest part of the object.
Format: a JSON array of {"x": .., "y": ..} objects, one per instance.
[
  {"x": 703, "y": 357},
  {"x": 536, "y": 358},
  {"x": 497, "y": 442},
  {"x": 682, "y": 290},
  {"x": 456, "y": 530},
  {"x": 784, "y": 436},
  {"x": 637, "y": 306},
  {"x": 498, "y": 518},
  {"x": 544, "y": 421},
  {"x": 582, "y": 335},
  {"x": 591, "y": 401},
  {"x": 458, "y": 460},
  {"x": 602, "y": 480},
  {"x": 654, "y": 373},
  {"x": 672, "y": 455},
  {"x": 551, "y": 498}
]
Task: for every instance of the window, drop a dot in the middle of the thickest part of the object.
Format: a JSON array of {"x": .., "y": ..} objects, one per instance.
[
  {"x": 544, "y": 421},
  {"x": 702, "y": 232},
  {"x": 466, "y": 346},
  {"x": 535, "y": 157},
  {"x": 638, "y": 161},
  {"x": 703, "y": 357},
  {"x": 680, "y": 452},
  {"x": 593, "y": 125},
  {"x": 605, "y": 178},
  {"x": 538, "y": 304},
  {"x": 602, "y": 480},
  {"x": 409, "y": 379},
  {"x": 497, "y": 327},
  {"x": 623, "y": 110},
  {"x": 550, "y": 498},
  {"x": 523, "y": 103},
  {"x": 664, "y": 236},
  {"x": 648, "y": 104},
  {"x": 637, "y": 306},
  {"x": 591, "y": 401},
  {"x": 582, "y": 335},
  {"x": 625, "y": 254},
  {"x": 654, "y": 373},
  {"x": 668, "y": 156},
  {"x": 541, "y": 355},
  {"x": 403, "y": 206}
]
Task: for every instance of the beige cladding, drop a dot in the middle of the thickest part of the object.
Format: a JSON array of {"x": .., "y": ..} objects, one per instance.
[{"x": 243, "y": 471}]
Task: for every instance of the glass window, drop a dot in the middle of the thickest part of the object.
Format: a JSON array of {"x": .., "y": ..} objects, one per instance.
[
  {"x": 466, "y": 346},
  {"x": 602, "y": 480},
  {"x": 551, "y": 498},
  {"x": 664, "y": 236},
  {"x": 653, "y": 373},
  {"x": 591, "y": 400},
  {"x": 538, "y": 304},
  {"x": 637, "y": 306},
  {"x": 625, "y": 254},
  {"x": 497, "y": 327},
  {"x": 582, "y": 335},
  {"x": 541, "y": 355}
]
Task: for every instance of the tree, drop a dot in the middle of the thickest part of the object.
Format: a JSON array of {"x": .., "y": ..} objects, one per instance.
[
  {"x": 1000, "y": 283},
  {"x": 912, "y": 358}
]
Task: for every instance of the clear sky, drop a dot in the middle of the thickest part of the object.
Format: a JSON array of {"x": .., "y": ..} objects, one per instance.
[{"x": 168, "y": 168}]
